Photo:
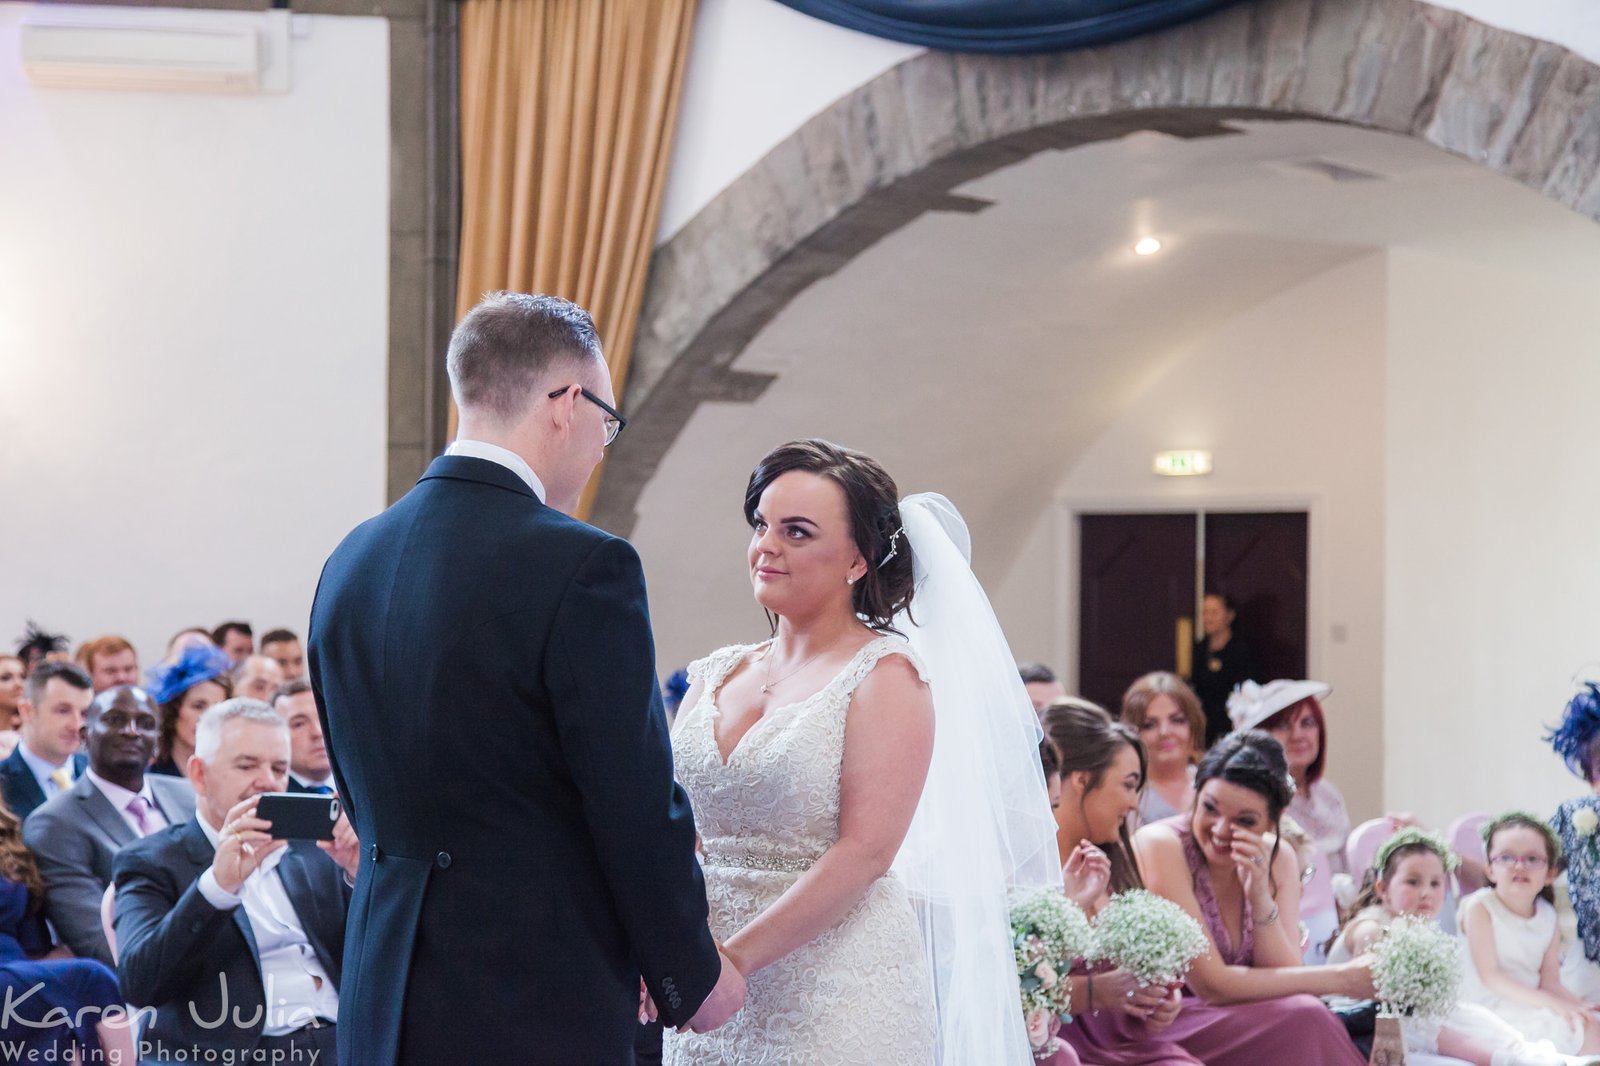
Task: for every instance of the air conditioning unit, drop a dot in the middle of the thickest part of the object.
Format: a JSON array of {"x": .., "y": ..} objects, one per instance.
[{"x": 82, "y": 47}]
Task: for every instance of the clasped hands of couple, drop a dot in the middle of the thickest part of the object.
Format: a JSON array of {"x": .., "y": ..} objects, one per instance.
[{"x": 726, "y": 999}]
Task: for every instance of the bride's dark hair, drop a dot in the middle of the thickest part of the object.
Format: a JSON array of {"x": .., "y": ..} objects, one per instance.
[{"x": 873, "y": 504}]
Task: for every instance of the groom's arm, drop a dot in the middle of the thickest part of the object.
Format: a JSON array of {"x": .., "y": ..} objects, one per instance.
[{"x": 607, "y": 705}]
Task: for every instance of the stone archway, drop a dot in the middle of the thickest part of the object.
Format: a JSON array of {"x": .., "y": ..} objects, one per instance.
[{"x": 896, "y": 147}]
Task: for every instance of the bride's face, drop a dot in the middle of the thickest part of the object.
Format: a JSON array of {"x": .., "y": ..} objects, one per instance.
[{"x": 801, "y": 550}]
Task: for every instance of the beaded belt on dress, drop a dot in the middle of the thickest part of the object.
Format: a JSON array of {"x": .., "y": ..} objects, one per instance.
[{"x": 745, "y": 859}]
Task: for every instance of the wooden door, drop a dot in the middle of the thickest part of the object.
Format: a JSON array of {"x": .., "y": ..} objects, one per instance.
[
  {"x": 1260, "y": 560},
  {"x": 1136, "y": 579}
]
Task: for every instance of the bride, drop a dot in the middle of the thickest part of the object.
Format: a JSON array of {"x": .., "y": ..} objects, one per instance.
[{"x": 864, "y": 800}]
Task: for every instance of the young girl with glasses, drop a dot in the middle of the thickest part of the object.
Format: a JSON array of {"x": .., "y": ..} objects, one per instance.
[{"x": 1515, "y": 944}]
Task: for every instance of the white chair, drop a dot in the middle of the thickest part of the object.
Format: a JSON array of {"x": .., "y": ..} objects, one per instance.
[{"x": 1364, "y": 841}]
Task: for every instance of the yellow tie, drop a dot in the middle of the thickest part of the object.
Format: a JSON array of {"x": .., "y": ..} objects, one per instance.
[{"x": 62, "y": 778}]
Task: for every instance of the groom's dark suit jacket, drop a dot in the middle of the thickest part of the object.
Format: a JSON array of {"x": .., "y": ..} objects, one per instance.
[{"x": 486, "y": 677}]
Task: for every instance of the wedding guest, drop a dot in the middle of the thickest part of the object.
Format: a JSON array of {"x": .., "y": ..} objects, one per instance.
[
  {"x": 1222, "y": 661},
  {"x": 36, "y": 646},
  {"x": 309, "y": 768},
  {"x": 673, "y": 691},
  {"x": 257, "y": 678},
  {"x": 234, "y": 939},
  {"x": 1171, "y": 725},
  {"x": 12, "y": 679},
  {"x": 58, "y": 1008},
  {"x": 1222, "y": 863},
  {"x": 110, "y": 660},
  {"x": 184, "y": 639},
  {"x": 284, "y": 646},
  {"x": 1577, "y": 741},
  {"x": 1514, "y": 940},
  {"x": 1042, "y": 684},
  {"x": 45, "y": 761},
  {"x": 185, "y": 688},
  {"x": 236, "y": 639},
  {"x": 76, "y": 835}
]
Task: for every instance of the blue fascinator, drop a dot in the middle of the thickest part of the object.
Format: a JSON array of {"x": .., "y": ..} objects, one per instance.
[
  {"x": 172, "y": 679},
  {"x": 1574, "y": 738},
  {"x": 676, "y": 688}
]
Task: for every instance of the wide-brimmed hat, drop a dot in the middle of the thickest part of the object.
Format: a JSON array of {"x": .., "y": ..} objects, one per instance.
[{"x": 1250, "y": 704}]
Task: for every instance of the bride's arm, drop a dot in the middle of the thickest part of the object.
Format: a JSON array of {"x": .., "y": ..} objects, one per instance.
[{"x": 888, "y": 743}]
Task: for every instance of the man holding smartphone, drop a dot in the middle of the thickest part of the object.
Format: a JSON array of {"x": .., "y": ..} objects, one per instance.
[{"x": 234, "y": 936}]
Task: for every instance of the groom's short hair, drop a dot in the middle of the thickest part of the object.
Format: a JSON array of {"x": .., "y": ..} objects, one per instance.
[{"x": 510, "y": 344}]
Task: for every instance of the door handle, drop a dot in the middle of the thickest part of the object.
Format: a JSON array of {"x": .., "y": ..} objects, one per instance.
[{"x": 1185, "y": 649}]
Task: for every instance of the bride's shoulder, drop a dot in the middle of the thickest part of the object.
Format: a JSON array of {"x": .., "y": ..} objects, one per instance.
[
  {"x": 714, "y": 667},
  {"x": 889, "y": 659}
]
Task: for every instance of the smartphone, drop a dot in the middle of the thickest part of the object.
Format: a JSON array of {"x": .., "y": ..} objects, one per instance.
[{"x": 298, "y": 815}]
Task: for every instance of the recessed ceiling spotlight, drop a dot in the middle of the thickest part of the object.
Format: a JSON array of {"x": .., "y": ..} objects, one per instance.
[{"x": 1147, "y": 246}]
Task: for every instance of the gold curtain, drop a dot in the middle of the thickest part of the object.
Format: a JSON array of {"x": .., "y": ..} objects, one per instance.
[{"x": 567, "y": 113}]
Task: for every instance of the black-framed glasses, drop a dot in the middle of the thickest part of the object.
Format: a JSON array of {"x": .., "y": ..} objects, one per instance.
[{"x": 615, "y": 423}]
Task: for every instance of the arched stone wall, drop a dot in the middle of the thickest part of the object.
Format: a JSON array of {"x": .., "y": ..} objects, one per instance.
[{"x": 897, "y": 146}]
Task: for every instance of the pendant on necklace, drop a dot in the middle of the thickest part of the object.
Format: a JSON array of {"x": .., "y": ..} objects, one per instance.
[{"x": 764, "y": 689}]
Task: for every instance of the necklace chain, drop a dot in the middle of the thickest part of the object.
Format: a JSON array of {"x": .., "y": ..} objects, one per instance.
[{"x": 771, "y": 684}]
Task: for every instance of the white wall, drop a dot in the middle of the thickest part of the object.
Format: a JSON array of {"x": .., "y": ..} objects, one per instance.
[
  {"x": 1491, "y": 518},
  {"x": 193, "y": 315},
  {"x": 1289, "y": 399}
]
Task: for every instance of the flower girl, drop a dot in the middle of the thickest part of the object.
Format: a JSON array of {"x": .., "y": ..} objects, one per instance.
[
  {"x": 1511, "y": 932},
  {"x": 1409, "y": 877}
]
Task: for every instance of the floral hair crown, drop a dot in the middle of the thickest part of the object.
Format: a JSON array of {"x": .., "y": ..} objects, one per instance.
[
  {"x": 1528, "y": 820},
  {"x": 1410, "y": 836}
]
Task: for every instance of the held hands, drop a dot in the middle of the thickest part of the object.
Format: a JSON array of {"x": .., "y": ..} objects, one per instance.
[
  {"x": 1087, "y": 873},
  {"x": 725, "y": 1000},
  {"x": 241, "y": 845},
  {"x": 344, "y": 848},
  {"x": 1120, "y": 990}
]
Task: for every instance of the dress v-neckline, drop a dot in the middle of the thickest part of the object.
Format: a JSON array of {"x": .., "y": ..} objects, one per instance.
[{"x": 715, "y": 712}]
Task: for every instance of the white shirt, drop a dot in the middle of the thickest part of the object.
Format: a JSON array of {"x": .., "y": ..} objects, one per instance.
[
  {"x": 513, "y": 462},
  {"x": 290, "y": 970},
  {"x": 120, "y": 798},
  {"x": 42, "y": 769}
]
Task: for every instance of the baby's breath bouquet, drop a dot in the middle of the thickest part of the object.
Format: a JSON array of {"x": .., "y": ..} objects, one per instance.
[
  {"x": 1416, "y": 968},
  {"x": 1048, "y": 931},
  {"x": 1152, "y": 938}
]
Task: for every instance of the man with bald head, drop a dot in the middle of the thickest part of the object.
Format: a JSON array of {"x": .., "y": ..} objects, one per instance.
[
  {"x": 76, "y": 835},
  {"x": 257, "y": 678}
]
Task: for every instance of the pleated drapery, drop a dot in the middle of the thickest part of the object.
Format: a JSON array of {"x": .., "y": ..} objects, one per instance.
[{"x": 567, "y": 114}]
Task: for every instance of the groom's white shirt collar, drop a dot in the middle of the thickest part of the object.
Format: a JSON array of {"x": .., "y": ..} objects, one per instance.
[{"x": 513, "y": 462}]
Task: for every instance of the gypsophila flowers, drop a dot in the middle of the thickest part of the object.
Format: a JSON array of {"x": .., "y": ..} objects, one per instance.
[
  {"x": 1152, "y": 938},
  {"x": 1416, "y": 968},
  {"x": 1048, "y": 932}
]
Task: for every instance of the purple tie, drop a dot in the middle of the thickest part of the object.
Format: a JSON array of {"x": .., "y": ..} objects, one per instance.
[{"x": 137, "y": 807}]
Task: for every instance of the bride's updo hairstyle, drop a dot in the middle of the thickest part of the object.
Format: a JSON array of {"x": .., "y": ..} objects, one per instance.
[
  {"x": 873, "y": 503},
  {"x": 1252, "y": 759}
]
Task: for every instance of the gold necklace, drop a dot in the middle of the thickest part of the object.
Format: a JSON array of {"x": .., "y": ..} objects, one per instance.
[{"x": 771, "y": 684}]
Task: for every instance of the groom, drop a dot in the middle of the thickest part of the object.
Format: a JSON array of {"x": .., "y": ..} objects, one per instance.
[{"x": 485, "y": 674}]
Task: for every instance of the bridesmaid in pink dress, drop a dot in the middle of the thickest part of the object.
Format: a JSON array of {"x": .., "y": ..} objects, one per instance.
[{"x": 1250, "y": 1001}]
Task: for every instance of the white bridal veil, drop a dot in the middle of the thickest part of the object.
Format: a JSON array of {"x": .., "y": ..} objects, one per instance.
[{"x": 983, "y": 825}]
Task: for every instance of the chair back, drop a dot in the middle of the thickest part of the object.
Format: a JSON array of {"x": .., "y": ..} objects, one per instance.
[
  {"x": 1365, "y": 839},
  {"x": 1466, "y": 836}
]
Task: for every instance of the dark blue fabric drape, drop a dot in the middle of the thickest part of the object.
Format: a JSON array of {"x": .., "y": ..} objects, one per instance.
[{"x": 1005, "y": 25}]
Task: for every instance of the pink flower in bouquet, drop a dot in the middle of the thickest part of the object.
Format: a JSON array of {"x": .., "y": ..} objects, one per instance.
[
  {"x": 1039, "y": 1027},
  {"x": 1047, "y": 975}
]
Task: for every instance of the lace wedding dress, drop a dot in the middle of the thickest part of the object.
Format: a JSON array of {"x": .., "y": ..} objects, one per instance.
[{"x": 860, "y": 994}]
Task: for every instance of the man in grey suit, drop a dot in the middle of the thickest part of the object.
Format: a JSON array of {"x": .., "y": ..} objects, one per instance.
[{"x": 76, "y": 835}]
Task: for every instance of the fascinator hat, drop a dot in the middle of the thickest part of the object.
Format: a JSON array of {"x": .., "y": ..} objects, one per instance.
[
  {"x": 1574, "y": 739},
  {"x": 1250, "y": 704},
  {"x": 172, "y": 679}
]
